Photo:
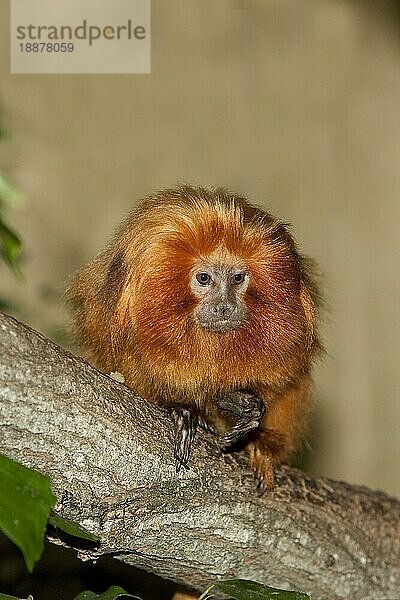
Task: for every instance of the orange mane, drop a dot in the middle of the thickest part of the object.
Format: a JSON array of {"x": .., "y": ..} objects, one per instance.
[{"x": 162, "y": 242}]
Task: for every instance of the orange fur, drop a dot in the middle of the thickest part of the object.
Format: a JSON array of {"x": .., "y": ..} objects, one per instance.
[{"x": 132, "y": 310}]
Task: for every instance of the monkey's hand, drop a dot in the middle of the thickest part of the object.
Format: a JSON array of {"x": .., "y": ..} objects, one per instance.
[
  {"x": 244, "y": 410},
  {"x": 185, "y": 429}
]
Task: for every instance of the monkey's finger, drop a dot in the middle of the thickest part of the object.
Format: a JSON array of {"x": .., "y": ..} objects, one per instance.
[
  {"x": 254, "y": 409},
  {"x": 238, "y": 432},
  {"x": 182, "y": 445},
  {"x": 205, "y": 425},
  {"x": 261, "y": 485}
]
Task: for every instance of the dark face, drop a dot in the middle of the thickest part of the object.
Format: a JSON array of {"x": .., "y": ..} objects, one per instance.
[{"x": 220, "y": 290}]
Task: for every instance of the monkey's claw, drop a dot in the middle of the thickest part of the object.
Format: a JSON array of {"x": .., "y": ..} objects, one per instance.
[
  {"x": 246, "y": 409},
  {"x": 185, "y": 431}
]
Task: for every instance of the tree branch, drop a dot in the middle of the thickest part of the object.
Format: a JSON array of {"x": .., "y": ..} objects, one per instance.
[{"x": 109, "y": 456}]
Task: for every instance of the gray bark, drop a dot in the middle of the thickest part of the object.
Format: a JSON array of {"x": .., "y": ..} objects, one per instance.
[{"x": 109, "y": 456}]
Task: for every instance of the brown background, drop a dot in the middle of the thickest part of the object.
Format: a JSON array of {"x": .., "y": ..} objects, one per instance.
[{"x": 294, "y": 103}]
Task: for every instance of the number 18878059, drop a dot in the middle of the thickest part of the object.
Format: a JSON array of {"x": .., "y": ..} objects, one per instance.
[{"x": 46, "y": 47}]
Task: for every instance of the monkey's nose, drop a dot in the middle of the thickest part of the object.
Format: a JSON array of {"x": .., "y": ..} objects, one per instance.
[{"x": 223, "y": 310}]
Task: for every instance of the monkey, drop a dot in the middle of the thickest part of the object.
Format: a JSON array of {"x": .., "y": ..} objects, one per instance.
[{"x": 204, "y": 304}]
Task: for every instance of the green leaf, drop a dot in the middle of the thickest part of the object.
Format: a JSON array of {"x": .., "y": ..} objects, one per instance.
[
  {"x": 9, "y": 194},
  {"x": 112, "y": 593},
  {"x": 10, "y": 247},
  {"x": 242, "y": 589},
  {"x": 25, "y": 503},
  {"x": 72, "y": 528},
  {"x": 5, "y": 597}
]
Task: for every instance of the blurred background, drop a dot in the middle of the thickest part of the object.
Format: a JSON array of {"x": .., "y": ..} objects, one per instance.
[{"x": 294, "y": 103}]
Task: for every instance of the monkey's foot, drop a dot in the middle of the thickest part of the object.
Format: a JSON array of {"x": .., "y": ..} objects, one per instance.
[
  {"x": 265, "y": 452},
  {"x": 245, "y": 410},
  {"x": 185, "y": 429},
  {"x": 263, "y": 467}
]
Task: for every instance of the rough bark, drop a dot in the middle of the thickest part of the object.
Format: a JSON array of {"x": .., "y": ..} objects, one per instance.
[{"x": 109, "y": 456}]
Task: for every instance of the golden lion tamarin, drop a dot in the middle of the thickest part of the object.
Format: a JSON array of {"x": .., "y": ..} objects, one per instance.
[{"x": 205, "y": 306}]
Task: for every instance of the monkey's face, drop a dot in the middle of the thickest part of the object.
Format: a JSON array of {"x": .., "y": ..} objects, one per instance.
[{"x": 219, "y": 290}]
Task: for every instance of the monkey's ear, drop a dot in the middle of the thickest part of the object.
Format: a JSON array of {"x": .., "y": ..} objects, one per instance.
[{"x": 309, "y": 312}]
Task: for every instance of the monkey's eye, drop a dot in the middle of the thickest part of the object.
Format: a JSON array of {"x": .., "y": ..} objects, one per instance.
[
  {"x": 203, "y": 278},
  {"x": 238, "y": 278}
]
